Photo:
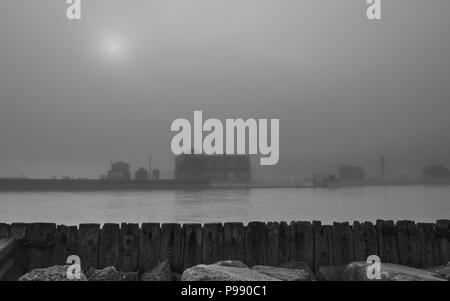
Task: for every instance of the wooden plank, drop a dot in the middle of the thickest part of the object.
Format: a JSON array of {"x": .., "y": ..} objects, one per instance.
[
  {"x": 284, "y": 243},
  {"x": 342, "y": 238},
  {"x": 273, "y": 232},
  {"x": 149, "y": 246},
  {"x": 6, "y": 268},
  {"x": 88, "y": 245},
  {"x": 408, "y": 244},
  {"x": 8, "y": 251},
  {"x": 302, "y": 242},
  {"x": 66, "y": 244},
  {"x": 429, "y": 247},
  {"x": 364, "y": 240},
  {"x": 443, "y": 236},
  {"x": 20, "y": 231},
  {"x": 41, "y": 243},
  {"x": 4, "y": 230},
  {"x": 387, "y": 241},
  {"x": 108, "y": 252},
  {"x": 8, "y": 247},
  {"x": 171, "y": 247},
  {"x": 322, "y": 245},
  {"x": 192, "y": 245},
  {"x": 256, "y": 244},
  {"x": 128, "y": 247},
  {"x": 212, "y": 249},
  {"x": 234, "y": 239}
]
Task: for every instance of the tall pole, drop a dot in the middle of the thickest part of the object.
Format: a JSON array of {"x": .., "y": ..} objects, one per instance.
[
  {"x": 382, "y": 162},
  {"x": 150, "y": 167}
]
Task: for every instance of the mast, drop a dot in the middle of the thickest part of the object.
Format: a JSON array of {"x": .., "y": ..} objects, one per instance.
[
  {"x": 150, "y": 167},
  {"x": 382, "y": 163}
]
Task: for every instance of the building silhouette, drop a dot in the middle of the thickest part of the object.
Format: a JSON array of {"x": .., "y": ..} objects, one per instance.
[
  {"x": 141, "y": 174},
  {"x": 215, "y": 168},
  {"x": 119, "y": 171}
]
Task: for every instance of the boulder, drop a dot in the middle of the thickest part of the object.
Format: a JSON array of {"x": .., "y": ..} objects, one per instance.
[
  {"x": 357, "y": 271},
  {"x": 53, "y": 273},
  {"x": 162, "y": 272},
  {"x": 107, "y": 274},
  {"x": 216, "y": 272},
  {"x": 286, "y": 274},
  {"x": 128, "y": 276},
  {"x": 231, "y": 263},
  {"x": 299, "y": 265},
  {"x": 331, "y": 273},
  {"x": 441, "y": 271}
]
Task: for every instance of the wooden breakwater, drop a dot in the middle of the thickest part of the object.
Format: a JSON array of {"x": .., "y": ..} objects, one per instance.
[{"x": 134, "y": 247}]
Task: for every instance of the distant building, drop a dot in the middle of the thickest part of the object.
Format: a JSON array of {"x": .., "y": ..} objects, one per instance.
[
  {"x": 141, "y": 174},
  {"x": 351, "y": 175},
  {"x": 216, "y": 168},
  {"x": 436, "y": 173},
  {"x": 155, "y": 174},
  {"x": 119, "y": 171}
]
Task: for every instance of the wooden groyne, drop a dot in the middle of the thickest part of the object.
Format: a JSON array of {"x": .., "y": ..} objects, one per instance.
[{"x": 134, "y": 247}]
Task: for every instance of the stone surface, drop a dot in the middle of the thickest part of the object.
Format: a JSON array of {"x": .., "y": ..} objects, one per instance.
[
  {"x": 128, "y": 276},
  {"x": 357, "y": 271},
  {"x": 331, "y": 273},
  {"x": 441, "y": 271},
  {"x": 216, "y": 272},
  {"x": 162, "y": 272},
  {"x": 231, "y": 263},
  {"x": 107, "y": 274},
  {"x": 286, "y": 274},
  {"x": 299, "y": 265},
  {"x": 53, "y": 273}
]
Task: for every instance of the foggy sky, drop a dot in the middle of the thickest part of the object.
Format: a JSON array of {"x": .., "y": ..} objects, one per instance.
[{"x": 76, "y": 95}]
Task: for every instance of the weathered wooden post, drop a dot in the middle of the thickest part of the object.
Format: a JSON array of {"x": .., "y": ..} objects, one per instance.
[
  {"x": 171, "y": 247},
  {"x": 149, "y": 246},
  {"x": 192, "y": 245},
  {"x": 88, "y": 243},
  {"x": 322, "y": 245},
  {"x": 364, "y": 240},
  {"x": 109, "y": 246},
  {"x": 256, "y": 244},
  {"x": 233, "y": 241}
]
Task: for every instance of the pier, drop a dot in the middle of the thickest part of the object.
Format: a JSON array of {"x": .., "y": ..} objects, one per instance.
[{"x": 137, "y": 248}]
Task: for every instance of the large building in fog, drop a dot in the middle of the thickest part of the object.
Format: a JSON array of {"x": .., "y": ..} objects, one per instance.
[
  {"x": 216, "y": 168},
  {"x": 119, "y": 171}
]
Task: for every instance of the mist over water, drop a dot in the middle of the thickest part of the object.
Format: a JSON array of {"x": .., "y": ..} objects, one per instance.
[
  {"x": 74, "y": 96},
  {"x": 418, "y": 203}
]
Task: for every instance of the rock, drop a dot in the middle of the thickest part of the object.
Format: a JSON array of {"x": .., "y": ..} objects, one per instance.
[
  {"x": 53, "y": 273},
  {"x": 128, "y": 276},
  {"x": 286, "y": 274},
  {"x": 162, "y": 272},
  {"x": 231, "y": 263},
  {"x": 107, "y": 274},
  {"x": 299, "y": 265},
  {"x": 357, "y": 271},
  {"x": 216, "y": 272},
  {"x": 331, "y": 273},
  {"x": 441, "y": 271}
]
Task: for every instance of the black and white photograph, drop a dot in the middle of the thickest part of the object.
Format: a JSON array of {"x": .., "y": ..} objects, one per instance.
[{"x": 209, "y": 143}]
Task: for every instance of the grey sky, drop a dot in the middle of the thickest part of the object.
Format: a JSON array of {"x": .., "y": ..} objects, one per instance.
[{"x": 76, "y": 95}]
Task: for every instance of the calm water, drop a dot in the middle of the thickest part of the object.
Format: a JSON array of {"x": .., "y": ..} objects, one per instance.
[{"x": 419, "y": 203}]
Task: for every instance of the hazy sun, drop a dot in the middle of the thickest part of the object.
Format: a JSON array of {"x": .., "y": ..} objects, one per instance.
[{"x": 113, "y": 47}]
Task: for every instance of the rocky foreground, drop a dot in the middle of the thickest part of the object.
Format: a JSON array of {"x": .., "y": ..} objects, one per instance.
[{"x": 237, "y": 271}]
